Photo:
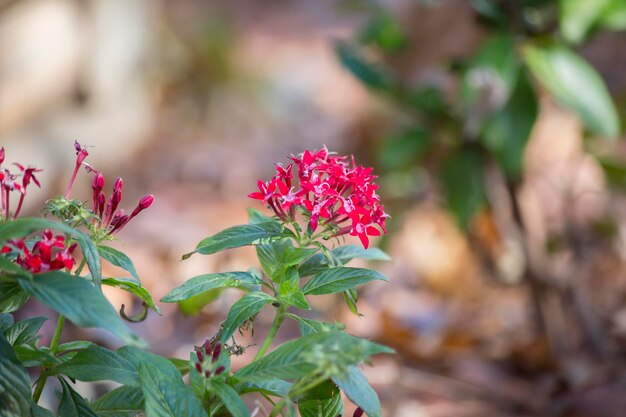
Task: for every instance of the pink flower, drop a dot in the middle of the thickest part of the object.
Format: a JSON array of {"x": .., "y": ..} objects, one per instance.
[{"x": 49, "y": 253}]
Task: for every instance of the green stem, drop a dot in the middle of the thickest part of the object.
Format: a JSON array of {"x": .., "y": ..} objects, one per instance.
[
  {"x": 278, "y": 320},
  {"x": 54, "y": 343},
  {"x": 297, "y": 391}
]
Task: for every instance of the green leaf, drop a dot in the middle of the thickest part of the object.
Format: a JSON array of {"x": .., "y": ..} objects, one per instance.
[
  {"x": 355, "y": 386},
  {"x": 31, "y": 356},
  {"x": 203, "y": 283},
  {"x": 297, "y": 299},
  {"x": 340, "y": 279},
  {"x": 25, "y": 226},
  {"x": 277, "y": 257},
  {"x": 6, "y": 321},
  {"x": 79, "y": 301},
  {"x": 12, "y": 296},
  {"x": 373, "y": 75},
  {"x": 245, "y": 308},
  {"x": 330, "y": 407},
  {"x": 463, "y": 184},
  {"x": 118, "y": 258},
  {"x": 341, "y": 256},
  {"x": 121, "y": 402},
  {"x": 138, "y": 357},
  {"x": 576, "y": 85},
  {"x": 403, "y": 149},
  {"x": 275, "y": 387},
  {"x": 192, "y": 306},
  {"x": 308, "y": 326},
  {"x": 75, "y": 345},
  {"x": 167, "y": 398},
  {"x": 37, "y": 411},
  {"x": 300, "y": 357},
  {"x": 578, "y": 16},
  {"x": 99, "y": 364},
  {"x": 614, "y": 16},
  {"x": 507, "y": 131},
  {"x": 72, "y": 404},
  {"x": 256, "y": 217},
  {"x": 135, "y": 288},
  {"x": 14, "y": 383},
  {"x": 8, "y": 266},
  {"x": 237, "y": 236},
  {"x": 234, "y": 404},
  {"x": 385, "y": 32},
  {"x": 25, "y": 331}
]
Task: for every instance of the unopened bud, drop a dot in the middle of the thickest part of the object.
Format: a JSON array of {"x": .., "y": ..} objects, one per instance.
[
  {"x": 2, "y": 154},
  {"x": 207, "y": 374},
  {"x": 199, "y": 354},
  {"x": 216, "y": 352},
  {"x": 119, "y": 183},
  {"x": 358, "y": 412},
  {"x": 219, "y": 370},
  {"x": 199, "y": 367},
  {"x": 98, "y": 182},
  {"x": 143, "y": 204},
  {"x": 207, "y": 346}
]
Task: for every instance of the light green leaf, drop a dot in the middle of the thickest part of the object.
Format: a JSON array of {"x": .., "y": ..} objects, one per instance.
[
  {"x": 72, "y": 404},
  {"x": 79, "y": 301},
  {"x": 237, "y": 236},
  {"x": 234, "y": 404},
  {"x": 245, "y": 308},
  {"x": 99, "y": 364},
  {"x": 167, "y": 398},
  {"x": 340, "y": 279},
  {"x": 121, "y": 402},
  {"x": 576, "y": 85},
  {"x": 75, "y": 345},
  {"x": 12, "y": 296},
  {"x": 277, "y": 257},
  {"x": 355, "y": 386},
  {"x": 118, "y": 258},
  {"x": 614, "y": 16},
  {"x": 578, "y": 16},
  {"x": 135, "y": 288},
  {"x": 203, "y": 283},
  {"x": 275, "y": 387}
]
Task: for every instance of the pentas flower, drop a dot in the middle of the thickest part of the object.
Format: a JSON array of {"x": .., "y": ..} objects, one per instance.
[
  {"x": 333, "y": 193},
  {"x": 207, "y": 356},
  {"x": 10, "y": 182},
  {"x": 48, "y": 253}
]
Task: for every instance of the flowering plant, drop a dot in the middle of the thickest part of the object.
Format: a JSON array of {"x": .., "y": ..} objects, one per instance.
[{"x": 333, "y": 197}]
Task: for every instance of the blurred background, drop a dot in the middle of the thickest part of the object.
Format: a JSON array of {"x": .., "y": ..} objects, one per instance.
[{"x": 494, "y": 125}]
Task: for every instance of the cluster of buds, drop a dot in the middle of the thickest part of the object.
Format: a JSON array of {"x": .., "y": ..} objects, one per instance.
[
  {"x": 333, "y": 192},
  {"x": 10, "y": 182},
  {"x": 109, "y": 219},
  {"x": 208, "y": 356},
  {"x": 49, "y": 253}
]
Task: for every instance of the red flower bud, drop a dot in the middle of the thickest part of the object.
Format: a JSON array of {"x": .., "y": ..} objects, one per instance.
[
  {"x": 198, "y": 367},
  {"x": 199, "y": 354},
  {"x": 119, "y": 183},
  {"x": 98, "y": 182},
  {"x": 207, "y": 373},
  {"x": 358, "y": 412},
  {"x": 143, "y": 204},
  {"x": 219, "y": 370},
  {"x": 207, "y": 346},
  {"x": 216, "y": 352},
  {"x": 2, "y": 155}
]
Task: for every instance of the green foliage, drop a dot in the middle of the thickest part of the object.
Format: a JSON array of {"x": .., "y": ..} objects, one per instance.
[
  {"x": 244, "y": 310},
  {"x": 340, "y": 279},
  {"x": 72, "y": 404},
  {"x": 203, "y": 283},
  {"x": 133, "y": 287},
  {"x": 121, "y": 402},
  {"x": 354, "y": 384}
]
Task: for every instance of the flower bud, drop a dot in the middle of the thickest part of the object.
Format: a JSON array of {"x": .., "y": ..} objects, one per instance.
[
  {"x": 98, "y": 182},
  {"x": 219, "y": 370},
  {"x": 119, "y": 183},
  {"x": 207, "y": 374},
  {"x": 2, "y": 154},
  {"x": 207, "y": 346},
  {"x": 216, "y": 352},
  {"x": 143, "y": 204},
  {"x": 198, "y": 367},
  {"x": 199, "y": 354},
  {"x": 358, "y": 412}
]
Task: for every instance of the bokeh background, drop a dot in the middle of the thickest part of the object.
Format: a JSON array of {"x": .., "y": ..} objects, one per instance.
[{"x": 494, "y": 127}]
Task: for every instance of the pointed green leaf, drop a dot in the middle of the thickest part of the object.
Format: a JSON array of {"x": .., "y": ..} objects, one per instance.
[
  {"x": 340, "y": 279},
  {"x": 329, "y": 407},
  {"x": 118, "y": 258},
  {"x": 6, "y": 321},
  {"x": 133, "y": 287},
  {"x": 275, "y": 387},
  {"x": 138, "y": 357},
  {"x": 245, "y": 308},
  {"x": 203, "y": 283},
  {"x": 372, "y": 74},
  {"x": 575, "y": 84},
  {"x": 354, "y": 384},
  {"x": 37, "y": 411},
  {"x": 79, "y": 301},
  {"x": 121, "y": 402},
  {"x": 277, "y": 257},
  {"x": 72, "y": 404},
  {"x": 167, "y": 398},
  {"x": 8, "y": 266},
  {"x": 578, "y": 16},
  {"x": 341, "y": 255},
  {"x": 237, "y": 236},
  {"x": 14, "y": 383},
  {"x": 25, "y": 331},
  {"x": 12, "y": 296},
  {"x": 99, "y": 364},
  {"x": 234, "y": 404}
]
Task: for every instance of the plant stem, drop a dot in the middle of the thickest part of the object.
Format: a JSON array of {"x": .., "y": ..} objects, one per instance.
[
  {"x": 278, "y": 320},
  {"x": 54, "y": 343},
  {"x": 295, "y": 392}
]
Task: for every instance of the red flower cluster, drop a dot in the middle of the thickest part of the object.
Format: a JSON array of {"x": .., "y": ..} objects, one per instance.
[
  {"x": 206, "y": 351},
  {"x": 9, "y": 182},
  {"x": 111, "y": 218},
  {"x": 49, "y": 253},
  {"x": 333, "y": 192}
]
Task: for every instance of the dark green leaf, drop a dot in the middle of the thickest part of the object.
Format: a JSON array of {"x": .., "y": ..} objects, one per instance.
[
  {"x": 31, "y": 356},
  {"x": 330, "y": 407},
  {"x": 203, "y": 283},
  {"x": 237, "y": 236},
  {"x": 25, "y": 331},
  {"x": 99, "y": 364},
  {"x": 275, "y": 387},
  {"x": 72, "y": 404},
  {"x": 341, "y": 256},
  {"x": 244, "y": 309},
  {"x": 135, "y": 288},
  {"x": 12, "y": 296},
  {"x": 37, "y": 411},
  {"x": 340, "y": 279},
  {"x": 14, "y": 383},
  {"x": 6, "y": 321},
  {"x": 385, "y": 32},
  {"x": 463, "y": 183},
  {"x": 138, "y": 357},
  {"x": 297, "y": 299},
  {"x": 234, "y": 404},
  {"x": 308, "y": 326},
  {"x": 121, "y": 402},
  {"x": 167, "y": 398},
  {"x": 118, "y": 258},
  {"x": 576, "y": 85},
  {"x": 355, "y": 386},
  {"x": 79, "y": 301},
  {"x": 277, "y": 257},
  {"x": 371, "y": 74},
  {"x": 507, "y": 131},
  {"x": 25, "y": 226}
]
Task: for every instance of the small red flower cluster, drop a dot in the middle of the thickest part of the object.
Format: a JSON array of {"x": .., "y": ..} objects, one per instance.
[
  {"x": 110, "y": 218},
  {"x": 10, "y": 182},
  {"x": 333, "y": 192},
  {"x": 49, "y": 253},
  {"x": 212, "y": 354}
]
